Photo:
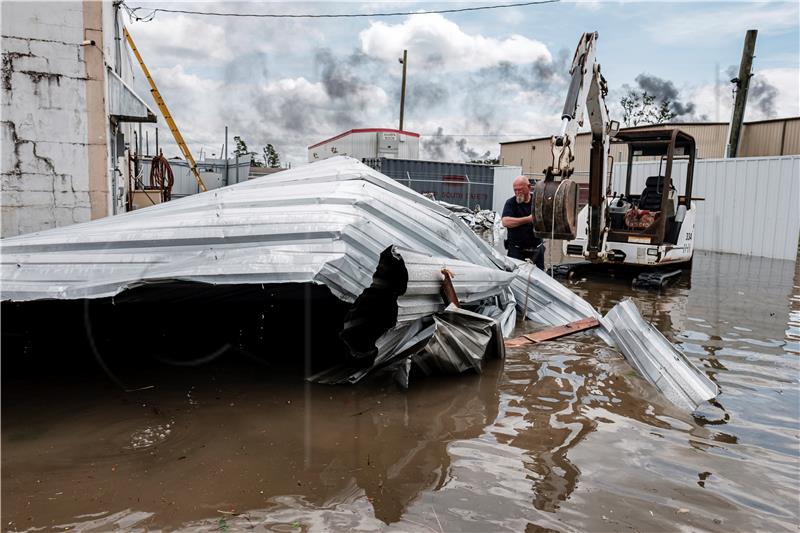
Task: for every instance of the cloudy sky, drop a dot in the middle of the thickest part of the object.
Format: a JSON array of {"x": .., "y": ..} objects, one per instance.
[{"x": 474, "y": 79}]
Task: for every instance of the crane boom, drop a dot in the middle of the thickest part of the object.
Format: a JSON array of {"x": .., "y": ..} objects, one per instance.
[{"x": 165, "y": 112}]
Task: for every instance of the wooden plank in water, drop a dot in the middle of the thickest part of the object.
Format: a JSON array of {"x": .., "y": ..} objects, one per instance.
[{"x": 553, "y": 333}]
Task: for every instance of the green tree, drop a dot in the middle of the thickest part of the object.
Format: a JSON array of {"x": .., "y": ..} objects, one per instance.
[
  {"x": 642, "y": 108},
  {"x": 271, "y": 157},
  {"x": 490, "y": 161},
  {"x": 241, "y": 146},
  {"x": 242, "y": 151}
]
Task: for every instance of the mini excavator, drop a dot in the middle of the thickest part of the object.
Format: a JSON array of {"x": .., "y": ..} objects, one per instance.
[{"x": 651, "y": 229}]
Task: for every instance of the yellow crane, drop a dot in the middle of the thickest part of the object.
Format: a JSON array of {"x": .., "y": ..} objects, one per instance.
[{"x": 165, "y": 111}]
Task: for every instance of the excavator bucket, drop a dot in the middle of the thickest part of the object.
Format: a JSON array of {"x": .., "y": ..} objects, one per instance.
[{"x": 555, "y": 209}]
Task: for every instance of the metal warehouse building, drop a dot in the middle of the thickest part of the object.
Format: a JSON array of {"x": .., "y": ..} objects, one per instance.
[
  {"x": 368, "y": 143},
  {"x": 759, "y": 138}
]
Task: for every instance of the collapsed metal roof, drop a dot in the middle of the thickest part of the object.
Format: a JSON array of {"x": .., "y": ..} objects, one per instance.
[{"x": 371, "y": 241}]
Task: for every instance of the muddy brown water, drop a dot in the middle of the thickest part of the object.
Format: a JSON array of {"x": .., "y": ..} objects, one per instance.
[{"x": 561, "y": 437}]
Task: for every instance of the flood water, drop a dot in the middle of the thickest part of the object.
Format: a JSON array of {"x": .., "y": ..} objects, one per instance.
[{"x": 560, "y": 437}]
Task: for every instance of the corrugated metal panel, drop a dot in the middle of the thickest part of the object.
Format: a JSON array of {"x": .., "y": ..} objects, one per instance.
[
  {"x": 464, "y": 184},
  {"x": 762, "y": 139},
  {"x": 327, "y": 223},
  {"x": 546, "y": 301},
  {"x": 503, "y": 186},
  {"x": 750, "y": 204},
  {"x": 791, "y": 139},
  {"x": 655, "y": 358}
]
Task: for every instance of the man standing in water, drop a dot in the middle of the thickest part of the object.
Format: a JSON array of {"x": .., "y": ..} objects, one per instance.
[{"x": 517, "y": 217}]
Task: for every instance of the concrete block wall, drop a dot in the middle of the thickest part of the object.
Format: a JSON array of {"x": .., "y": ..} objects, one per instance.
[{"x": 45, "y": 144}]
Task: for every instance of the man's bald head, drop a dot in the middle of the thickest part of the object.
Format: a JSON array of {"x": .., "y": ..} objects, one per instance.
[{"x": 522, "y": 189}]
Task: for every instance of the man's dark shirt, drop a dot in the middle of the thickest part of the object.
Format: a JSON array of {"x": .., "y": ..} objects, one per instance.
[{"x": 521, "y": 236}]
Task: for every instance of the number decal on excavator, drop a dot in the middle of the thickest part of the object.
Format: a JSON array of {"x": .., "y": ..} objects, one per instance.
[{"x": 688, "y": 236}]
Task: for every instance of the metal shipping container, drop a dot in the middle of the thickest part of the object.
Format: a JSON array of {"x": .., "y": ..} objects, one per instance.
[{"x": 466, "y": 184}]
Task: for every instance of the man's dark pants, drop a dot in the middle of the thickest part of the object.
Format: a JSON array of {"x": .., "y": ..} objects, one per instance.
[{"x": 536, "y": 255}]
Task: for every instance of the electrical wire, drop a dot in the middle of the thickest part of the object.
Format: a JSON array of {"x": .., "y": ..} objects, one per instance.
[{"x": 133, "y": 12}]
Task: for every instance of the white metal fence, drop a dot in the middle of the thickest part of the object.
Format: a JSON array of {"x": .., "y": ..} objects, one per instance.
[{"x": 751, "y": 205}]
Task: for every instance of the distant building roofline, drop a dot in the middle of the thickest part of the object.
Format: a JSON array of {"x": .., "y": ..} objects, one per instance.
[
  {"x": 364, "y": 130},
  {"x": 665, "y": 124}
]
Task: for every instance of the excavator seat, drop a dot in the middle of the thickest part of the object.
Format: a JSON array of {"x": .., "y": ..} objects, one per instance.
[{"x": 650, "y": 200}]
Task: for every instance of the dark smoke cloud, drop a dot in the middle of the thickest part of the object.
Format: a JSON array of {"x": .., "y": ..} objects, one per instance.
[
  {"x": 438, "y": 146},
  {"x": 434, "y": 146},
  {"x": 470, "y": 153},
  {"x": 542, "y": 75},
  {"x": 665, "y": 90},
  {"x": 424, "y": 94},
  {"x": 337, "y": 76},
  {"x": 761, "y": 93}
]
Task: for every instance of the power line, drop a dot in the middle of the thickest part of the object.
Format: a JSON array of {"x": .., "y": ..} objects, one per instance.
[{"x": 152, "y": 13}]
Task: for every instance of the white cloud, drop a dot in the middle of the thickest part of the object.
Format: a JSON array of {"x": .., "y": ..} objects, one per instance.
[
  {"x": 182, "y": 39},
  {"x": 436, "y": 42}
]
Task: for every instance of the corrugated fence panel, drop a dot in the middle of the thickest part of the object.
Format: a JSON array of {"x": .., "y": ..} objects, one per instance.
[{"x": 751, "y": 205}]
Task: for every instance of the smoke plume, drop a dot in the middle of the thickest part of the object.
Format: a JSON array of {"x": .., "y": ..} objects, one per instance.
[{"x": 665, "y": 90}]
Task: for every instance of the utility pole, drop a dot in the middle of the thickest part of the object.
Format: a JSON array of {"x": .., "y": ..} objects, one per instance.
[
  {"x": 226, "y": 156},
  {"x": 404, "y": 62},
  {"x": 742, "y": 83}
]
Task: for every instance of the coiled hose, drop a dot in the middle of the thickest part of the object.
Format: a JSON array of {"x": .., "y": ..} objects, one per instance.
[{"x": 161, "y": 177}]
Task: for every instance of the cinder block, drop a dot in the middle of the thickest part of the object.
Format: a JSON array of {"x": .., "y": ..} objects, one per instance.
[
  {"x": 82, "y": 214},
  {"x": 27, "y": 182},
  {"x": 9, "y": 198},
  {"x": 30, "y": 219},
  {"x": 15, "y": 45},
  {"x": 9, "y": 226},
  {"x": 35, "y": 199},
  {"x": 65, "y": 199},
  {"x": 63, "y": 216},
  {"x": 31, "y": 63}
]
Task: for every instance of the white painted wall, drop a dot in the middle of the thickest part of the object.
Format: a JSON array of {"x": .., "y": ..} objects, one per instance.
[
  {"x": 45, "y": 179},
  {"x": 45, "y": 156},
  {"x": 751, "y": 205}
]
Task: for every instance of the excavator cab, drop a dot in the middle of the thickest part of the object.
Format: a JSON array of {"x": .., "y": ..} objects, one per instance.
[{"x": 654, "y": 215}]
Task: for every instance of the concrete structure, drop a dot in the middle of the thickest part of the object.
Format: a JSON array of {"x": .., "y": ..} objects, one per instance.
[
  {"x": 760, "y": 138},
  {"x": 66, "y": 112},
  {"x": 368, "y": 143}
]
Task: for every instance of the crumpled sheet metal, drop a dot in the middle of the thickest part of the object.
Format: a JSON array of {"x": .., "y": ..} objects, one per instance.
[
  {"x": 452, "y": 341},
  {"x": 461, "y": 341},
  {"x": 472, "y": 283},
  {"x": 325, "y": 223},
  {"x": 655, "y": 358},
  {"x": 548, "y": 302}
]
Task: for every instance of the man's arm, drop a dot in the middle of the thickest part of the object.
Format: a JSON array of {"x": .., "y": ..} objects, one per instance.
[{"x": 513, "y": 222}]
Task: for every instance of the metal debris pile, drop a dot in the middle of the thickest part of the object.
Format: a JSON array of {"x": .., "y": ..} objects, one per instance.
[
  {"x": 480, "y": 219},
  {"x": 372, "y": 243}
]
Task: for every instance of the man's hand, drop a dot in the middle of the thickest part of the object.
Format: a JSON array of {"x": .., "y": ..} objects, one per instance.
[{"x": 513, "y": 222}]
